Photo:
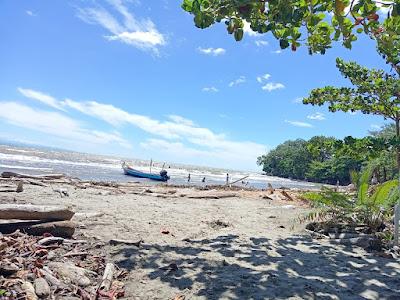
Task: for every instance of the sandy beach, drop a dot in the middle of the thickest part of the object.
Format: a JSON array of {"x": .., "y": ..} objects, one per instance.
[{"x": 239, "y": 246}]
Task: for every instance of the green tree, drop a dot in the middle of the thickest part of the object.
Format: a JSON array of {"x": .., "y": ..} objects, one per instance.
[
  {"x": 316, "y": 23},
  {"x": 290, "y": 160},
  {"x": 373, "y": 92}
]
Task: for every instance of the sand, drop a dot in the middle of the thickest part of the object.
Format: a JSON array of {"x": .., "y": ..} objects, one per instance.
[{"x": 243, "y": 247}]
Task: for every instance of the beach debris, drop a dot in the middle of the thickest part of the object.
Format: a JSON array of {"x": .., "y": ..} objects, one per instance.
[
  {"x": 63, "y": 229},
  {"x": 19, "y": 175},
  {"x": 216, "y": 195},
  {"x": 34, "y": 277},
  {"x": 107, "y": 277},
  {"x": 29, "y": 290},
  {"x": 62, "y": 192},
  {"x": 270, "y": 189},
  {"x": 42, "y": 288},
  {"x": 50, "y": 240},
  {"x": 115, "y": 242},
  {"x": 20, "y": 187},
  {"x": 170, "y": 267},
  {"x": 165, "y": 231},
  {"x": 35, "y": 212},
  {"x": 218, "y": 224},
  {"x": 286, "y": 194},
  {"x": 70, "y": 273}
]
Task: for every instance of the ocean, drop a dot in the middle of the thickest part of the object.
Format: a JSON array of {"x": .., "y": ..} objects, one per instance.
[{"x": 40, "y": 160}]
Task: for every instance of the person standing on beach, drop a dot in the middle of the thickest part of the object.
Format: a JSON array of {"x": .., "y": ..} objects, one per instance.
[
  {"x": 227, "y": 178},
  {"x": 189, "y": 177},
  {"x": 204, "y": 179}
]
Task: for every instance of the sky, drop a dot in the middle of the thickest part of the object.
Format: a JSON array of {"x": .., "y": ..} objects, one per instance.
[{"x": 137, "y": 79}]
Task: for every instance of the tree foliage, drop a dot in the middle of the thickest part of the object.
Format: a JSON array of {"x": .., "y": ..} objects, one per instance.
[
  {"x": 314, "y": 160},
  {"x": 372, "y": 92},
  {"x": 328, "y": 160},
  {"x": 316, "y": 23}
]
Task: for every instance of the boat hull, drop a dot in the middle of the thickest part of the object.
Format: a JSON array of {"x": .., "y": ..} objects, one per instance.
[{"x": 140, "y": 174}]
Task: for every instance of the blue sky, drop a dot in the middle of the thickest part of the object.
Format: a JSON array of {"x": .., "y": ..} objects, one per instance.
[{"x": 137, "y": 79}]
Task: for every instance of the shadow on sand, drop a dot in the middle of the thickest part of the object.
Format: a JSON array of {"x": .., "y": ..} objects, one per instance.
[{"x": 227, "y": 267}]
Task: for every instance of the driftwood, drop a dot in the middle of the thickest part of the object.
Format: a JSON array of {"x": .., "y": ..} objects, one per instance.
[
  {"x": 8, "y": 191},
  {"x": 18, "y": 175},
  {"x": 115, "y": 242},
  {"x": 20, "y": 187},
  {"x": 286, "y": 194},
  {"x": 212, "y": 196},
  {"x": 50, "y": 240},
  {"x": 63, "y": 229},
  {"x": 34, "y": 212},
  {"x": 107, "y": 277}
]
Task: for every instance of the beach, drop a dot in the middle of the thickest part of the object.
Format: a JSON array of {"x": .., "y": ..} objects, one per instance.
[{"x": 214, "y": 243}]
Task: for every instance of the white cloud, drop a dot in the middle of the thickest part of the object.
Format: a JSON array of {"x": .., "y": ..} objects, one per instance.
[
  {"x": 299, "y": 124},
  {"x": 238, "y": 81},
  {"x": 55, "y": 124},
  {"x": 242, "y": 154},
  {"x": 260, "y": 43},
  {"x": 141, "y": 34},
  {"x": 263, "y": 78},
  {"x": 317, "y": 116},
  {"x": 30, "y": 13},
  {"x": 41, "y": 97},
  {"x": 181, "y": 120},
  {"x": 212, "y": 51},
  {"x": 298, "y": 100},
  {"x": 174, "y": 131},
  {"x": 247, "y": 29},
  {"x": 376, "y": 127},
  {"x": 210, "y": 89},
  {"x": 277, "y": 51},
  {"x": 271, "y": 86}
]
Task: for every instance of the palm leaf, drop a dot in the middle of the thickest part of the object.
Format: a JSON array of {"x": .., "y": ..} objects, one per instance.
[{"x": 381, "y": 195}]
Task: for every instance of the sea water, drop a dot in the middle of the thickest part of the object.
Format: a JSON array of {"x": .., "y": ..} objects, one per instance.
[{"x": 40, "y": 160}]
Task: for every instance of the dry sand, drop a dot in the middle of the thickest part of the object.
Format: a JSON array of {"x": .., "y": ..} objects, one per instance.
[{"x": 242, "y": 247}]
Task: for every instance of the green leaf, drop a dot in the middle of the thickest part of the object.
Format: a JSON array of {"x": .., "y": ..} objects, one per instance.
[
  {"x": 238, "y": 34},
  {"x": 283, "y": 43}
]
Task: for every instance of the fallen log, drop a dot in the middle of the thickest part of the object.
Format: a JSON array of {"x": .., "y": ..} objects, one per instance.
[
  {"x": 19, "y": 175},
  {"x": 34, "y": 212},
  {"x": 63, "y": 229}
]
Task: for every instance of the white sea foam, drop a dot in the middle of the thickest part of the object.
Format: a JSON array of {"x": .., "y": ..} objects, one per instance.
[
  {"x": 37, "y": 159},
  {"x": 24, "y": 168}
]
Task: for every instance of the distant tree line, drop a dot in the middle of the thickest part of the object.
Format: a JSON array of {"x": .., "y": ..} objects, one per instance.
[{"x": 328, "y": 160}]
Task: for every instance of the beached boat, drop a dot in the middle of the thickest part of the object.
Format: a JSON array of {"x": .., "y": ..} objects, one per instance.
[{"x": 128, "y": 170}]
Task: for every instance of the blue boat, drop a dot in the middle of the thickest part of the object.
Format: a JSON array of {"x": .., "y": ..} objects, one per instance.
[{"x": 163, "y": 176}]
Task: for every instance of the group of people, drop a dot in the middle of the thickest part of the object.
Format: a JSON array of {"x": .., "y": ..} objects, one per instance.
[{"x": 204, "y": 178}]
